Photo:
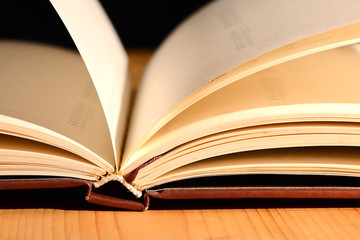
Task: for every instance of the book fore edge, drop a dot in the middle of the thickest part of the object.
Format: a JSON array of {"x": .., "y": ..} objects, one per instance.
[{"x": 116, "y": 177}]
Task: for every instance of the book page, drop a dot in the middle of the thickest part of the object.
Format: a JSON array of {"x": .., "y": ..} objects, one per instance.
[
  {"x": 218, "y": 38},
  {"x": 283, "y": 135},
  {"x": 104, "y": 57},
  {"x": 22, "y": 153},
  {"x": 46, "y": 94},
  {"x": 319, "y": 87},
  {"x": 339, "y": 161}
]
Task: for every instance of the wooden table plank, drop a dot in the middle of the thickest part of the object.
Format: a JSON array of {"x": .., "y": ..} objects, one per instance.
[{"x": 288, "y": 223}]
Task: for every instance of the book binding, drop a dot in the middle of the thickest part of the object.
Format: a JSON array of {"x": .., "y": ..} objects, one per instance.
[{"x": 117, "y": 177}]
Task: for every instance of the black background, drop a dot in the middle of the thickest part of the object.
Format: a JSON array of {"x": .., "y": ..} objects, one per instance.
[{"x": 140, "y": 24}]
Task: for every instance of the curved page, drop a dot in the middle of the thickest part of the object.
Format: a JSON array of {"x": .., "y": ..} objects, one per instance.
[
  {"x": 46, "y": 93},
  {"x": 245, "y": 140},
  {"x": 340, "y": 161},
  {"x": 321, "y": 86},
  {"x": 105, "y": 58},
  {"x": 23, "y": 155},
  {"x": 218, "y": 38}
]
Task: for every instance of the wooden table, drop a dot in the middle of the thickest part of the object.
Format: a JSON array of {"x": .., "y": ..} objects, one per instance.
[
  {"x": 335, "y": 221},
  {"x": 287, "y": 223}
]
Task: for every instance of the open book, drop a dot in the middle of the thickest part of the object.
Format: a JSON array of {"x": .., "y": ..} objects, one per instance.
[{"x": 239, "y": 88}]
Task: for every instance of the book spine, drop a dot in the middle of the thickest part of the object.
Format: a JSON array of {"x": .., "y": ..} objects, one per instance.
[{"x": 117, "y": 177}]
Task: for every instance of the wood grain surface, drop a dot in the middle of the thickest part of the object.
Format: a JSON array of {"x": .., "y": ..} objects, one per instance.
[
  {"x": 302, "y": 223},
  {"x": 314, "y": 222}
]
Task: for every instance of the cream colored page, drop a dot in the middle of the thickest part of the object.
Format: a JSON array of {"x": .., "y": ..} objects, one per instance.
[
  {"x": 343, "y": 36},
  {"x": 340, "y": 161},
  {"x": 218, "y": 38},
  {"x": 51, "y": 88},
  {"x": 22, "y": 152},
  {"x": 254, "y": 138},
  {"x": 104, "y": 57},
  {"x": 319, "y": 85}
]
